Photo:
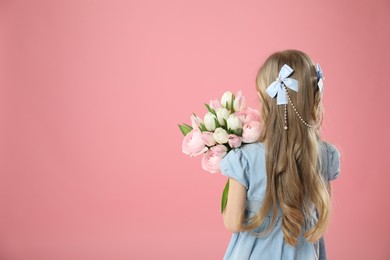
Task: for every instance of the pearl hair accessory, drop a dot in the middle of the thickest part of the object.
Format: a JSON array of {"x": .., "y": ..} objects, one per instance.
[
  {"x": 278, "y": 89},
  {"x": 296, "y": 112}
]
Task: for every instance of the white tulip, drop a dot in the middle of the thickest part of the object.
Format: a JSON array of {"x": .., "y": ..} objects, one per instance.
[
  {"x": 226, "y": 97},
  {"x": 209, "y": 121},
  {"x": 221, "y": 136},
  {"x": 222, "y": 113},
  {"x": 234, "y": 122}
]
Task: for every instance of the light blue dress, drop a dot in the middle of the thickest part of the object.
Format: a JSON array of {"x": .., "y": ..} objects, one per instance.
[{"x": 246, "y": 164}]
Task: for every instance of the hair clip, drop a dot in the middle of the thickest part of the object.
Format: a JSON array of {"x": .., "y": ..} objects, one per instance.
[
  {"x": 276, "y": 87},
  {"x": 320, "y": 78}
]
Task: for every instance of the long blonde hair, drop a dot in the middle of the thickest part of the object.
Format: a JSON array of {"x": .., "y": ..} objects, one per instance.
[{"x": 293, "y": 165}]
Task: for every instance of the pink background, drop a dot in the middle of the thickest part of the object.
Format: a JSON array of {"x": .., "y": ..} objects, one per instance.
[{"x": 91, "y": 165}]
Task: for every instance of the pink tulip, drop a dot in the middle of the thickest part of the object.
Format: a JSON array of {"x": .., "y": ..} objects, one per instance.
[
  {"x": 234, "y": 141},
  {"x": 239, "y": 102},
  {"x": 211, "y": 159},
  {"x": 195, "y": 121},
  {"x": 248, "y": 114},
  {"x": 215, "y": 104},
  {"x": 251, "y": 132},
  {"x": 208, "y": 138},
  {"x": 193, "y": 143}
]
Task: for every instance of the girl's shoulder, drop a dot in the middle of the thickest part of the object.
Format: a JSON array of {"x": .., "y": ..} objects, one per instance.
[
  {"x": 329, "y": 146},
  {"x": 248, "y": 147},
  {"x": 251, "y": 151},
  {"x": 239, "y": 163},
  {"x": 330, "y": 160},
  {"x": 247, "y": 154}
]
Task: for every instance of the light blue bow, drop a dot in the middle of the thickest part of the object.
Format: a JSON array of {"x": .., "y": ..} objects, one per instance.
[
  {"x": 276, "y": 87},
  {"x": 320, "y": 77}
]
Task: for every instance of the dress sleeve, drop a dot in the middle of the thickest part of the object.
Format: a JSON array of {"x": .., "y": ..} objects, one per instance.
[
  {"x": 334, "y": 162},
  {"x": 235, "y": 165},
  {"x": 322, "y": 249}
]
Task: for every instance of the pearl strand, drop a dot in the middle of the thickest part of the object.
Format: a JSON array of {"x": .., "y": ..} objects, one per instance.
[
  {"x": 285, "y": 117},
  {"x": 295, "y": 110}
]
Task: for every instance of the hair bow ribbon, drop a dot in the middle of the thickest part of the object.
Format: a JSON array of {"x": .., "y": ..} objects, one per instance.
[
  {"x": 276, "y": 87},
  {"x": 320, "y": 77}
]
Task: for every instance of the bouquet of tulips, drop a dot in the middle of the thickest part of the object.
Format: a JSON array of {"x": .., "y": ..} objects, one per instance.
[{"x": 228, "y": 124}]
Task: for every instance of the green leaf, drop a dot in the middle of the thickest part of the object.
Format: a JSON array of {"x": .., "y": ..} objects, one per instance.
[
  {"x": 237, "y": 132},
  {"x": 232, "y": 104},
  {"x": 216, "y": 123},
  {"x": 224, "y": 196},
  {"x": 211, "y": 110},
  {"x": 185, "y": 129},
  {"x": 203, "y": 127}
]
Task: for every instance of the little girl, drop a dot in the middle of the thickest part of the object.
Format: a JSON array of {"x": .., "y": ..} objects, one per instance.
[{"x": 279, "y": 187}]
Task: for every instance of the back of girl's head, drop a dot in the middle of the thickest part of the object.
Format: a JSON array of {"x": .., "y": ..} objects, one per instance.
[{"x": 293, "y": 167}]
